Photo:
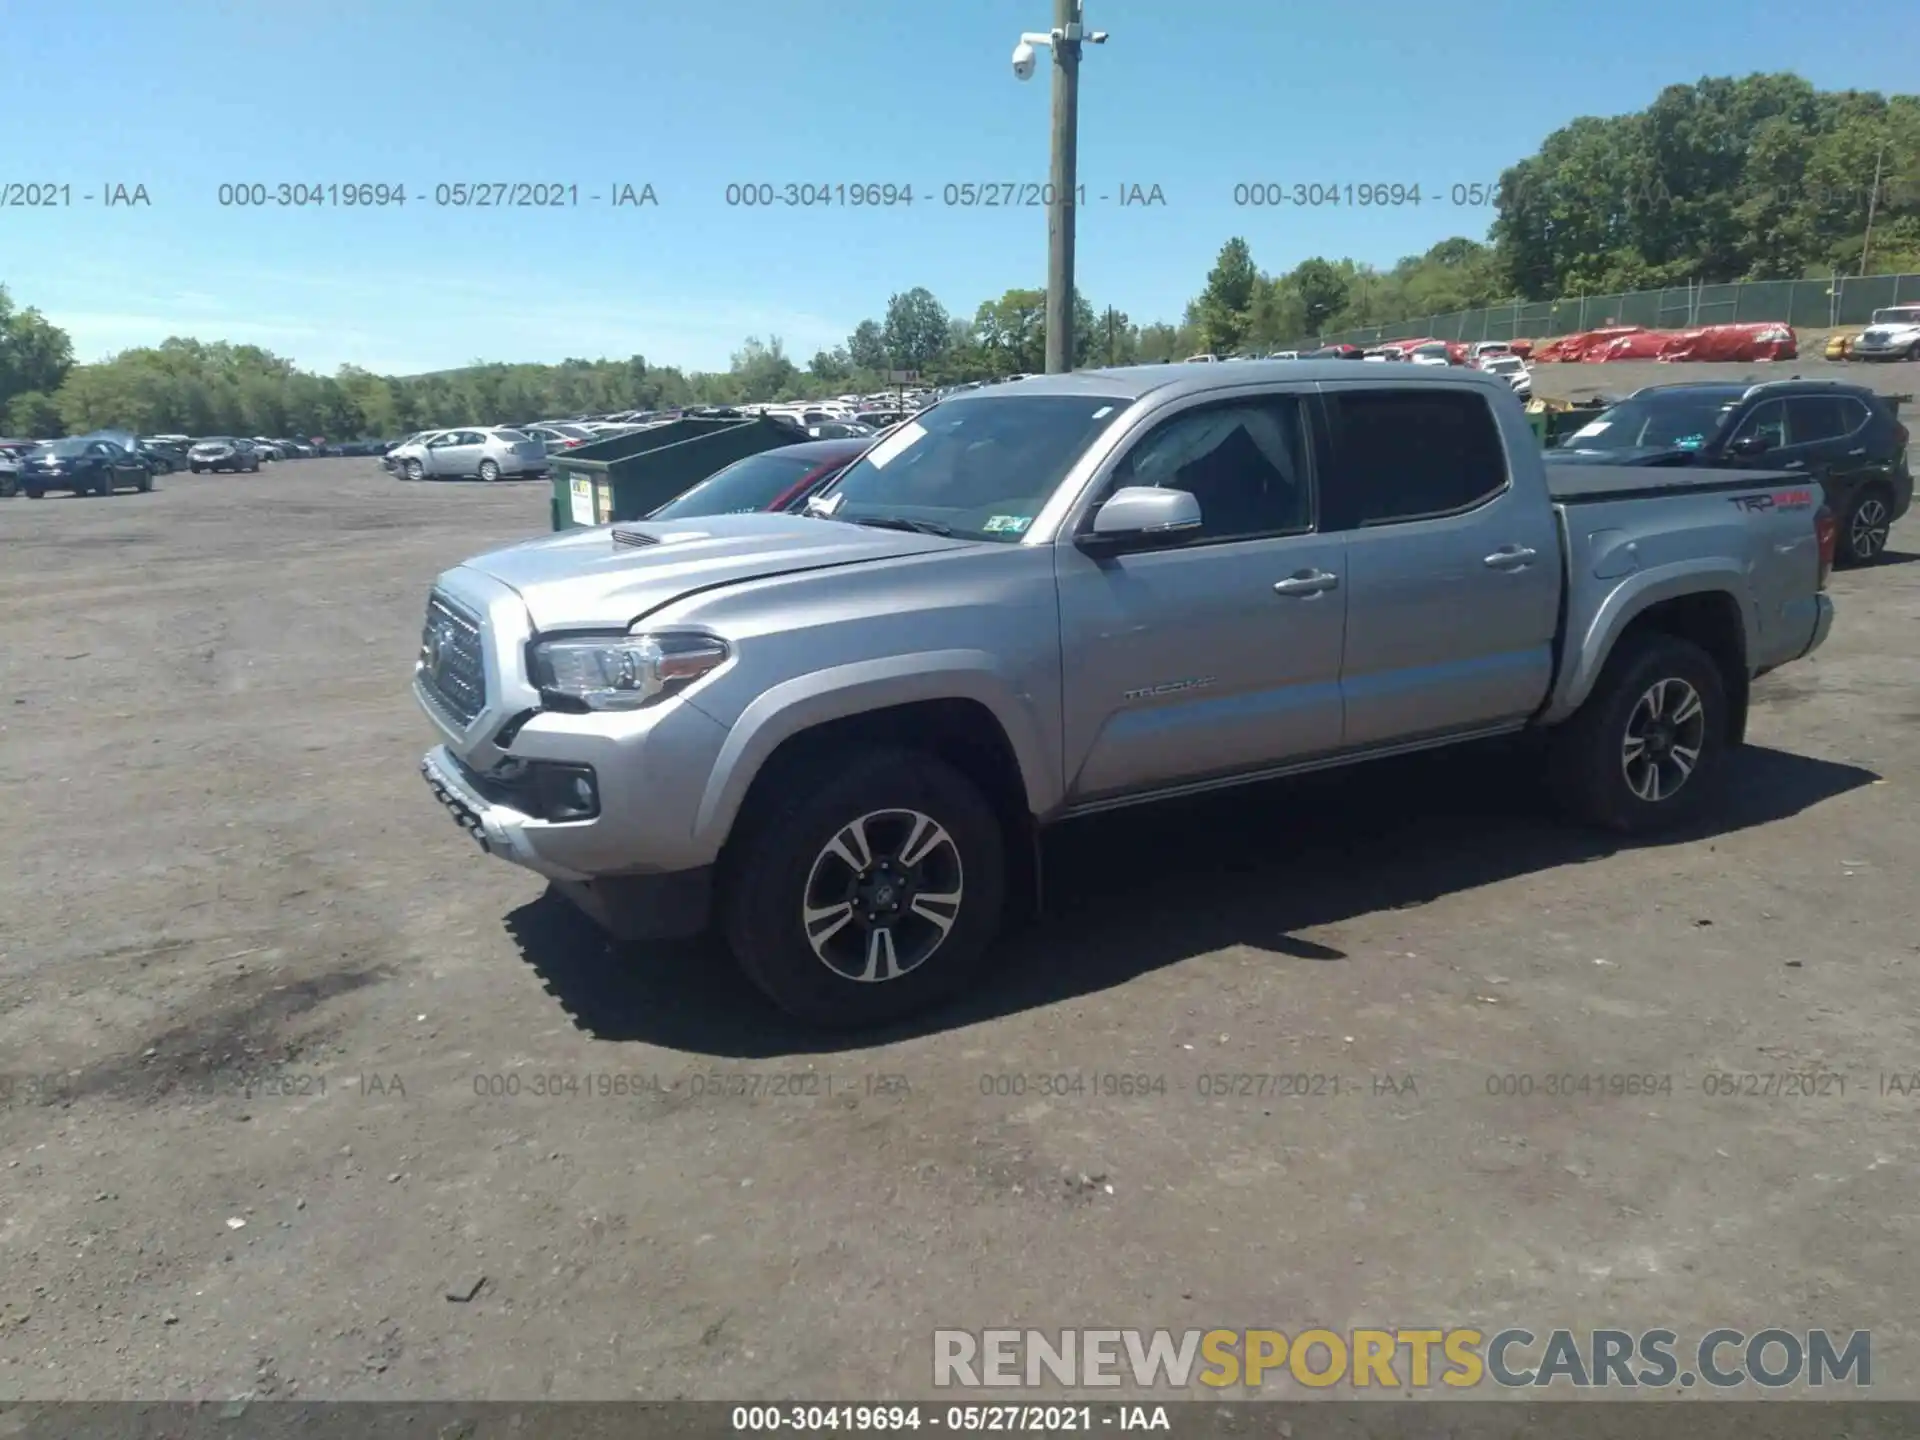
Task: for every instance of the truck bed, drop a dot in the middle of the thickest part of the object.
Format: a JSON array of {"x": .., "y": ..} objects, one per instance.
[{"x": 1591, "y": 484}]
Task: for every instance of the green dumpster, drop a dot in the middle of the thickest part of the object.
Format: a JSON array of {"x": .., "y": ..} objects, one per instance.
[{"x": 628, "y": 476}]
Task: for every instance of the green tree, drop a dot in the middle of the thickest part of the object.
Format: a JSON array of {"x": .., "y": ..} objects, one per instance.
[
  {"x": 1225, "y": 304},
  {"x": 917, "y": 330},
  {"x": 33, "y": 415},
  {"x": 1321, "y": 292},
  {"x": 34, "y": 354},
  {"x": 867, "y": 346}
]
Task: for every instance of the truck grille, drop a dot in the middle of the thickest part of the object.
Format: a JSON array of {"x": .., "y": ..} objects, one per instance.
[{"x": 453, "y": 670}]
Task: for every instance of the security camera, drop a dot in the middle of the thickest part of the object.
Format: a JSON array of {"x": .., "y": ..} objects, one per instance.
[{"x": 1023, "y": 61}]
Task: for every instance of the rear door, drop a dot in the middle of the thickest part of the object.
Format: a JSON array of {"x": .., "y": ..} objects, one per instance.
[
  {"x": 1829, "y": 431},
  {"x": 456, "y": 452},
  {"x": 1453, "y": 572}
]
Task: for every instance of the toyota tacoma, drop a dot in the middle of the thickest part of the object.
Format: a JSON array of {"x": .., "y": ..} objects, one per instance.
[{"x": 835, "y": 736}]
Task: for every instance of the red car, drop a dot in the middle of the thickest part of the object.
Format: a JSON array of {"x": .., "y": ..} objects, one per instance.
[{"x": 779, "y": 479}]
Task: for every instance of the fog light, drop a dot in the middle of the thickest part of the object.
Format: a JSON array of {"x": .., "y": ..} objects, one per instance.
[{"x": 566, "y": 792}]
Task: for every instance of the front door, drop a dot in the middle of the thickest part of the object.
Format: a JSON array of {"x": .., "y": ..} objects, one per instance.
[
  {"x": 1221, "y": 656},
  {"x": 1453, "y": 572}
]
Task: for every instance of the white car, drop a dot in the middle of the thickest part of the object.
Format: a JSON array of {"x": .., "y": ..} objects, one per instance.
[
  {"x": 1435, "y": 354},
  {"x": 1512, "y": 369},
  {"x": 489, "y": 453},
  {"x": 1483, "y": 349},
  {"x": 1893, "y": 335},
  {"x": 269, "y": 449}
]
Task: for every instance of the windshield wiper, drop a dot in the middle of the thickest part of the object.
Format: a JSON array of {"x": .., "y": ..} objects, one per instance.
[{"x": 900, "y": 522}]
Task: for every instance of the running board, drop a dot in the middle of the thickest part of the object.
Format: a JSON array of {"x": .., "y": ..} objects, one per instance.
[{"x": 1333, "y": 761}]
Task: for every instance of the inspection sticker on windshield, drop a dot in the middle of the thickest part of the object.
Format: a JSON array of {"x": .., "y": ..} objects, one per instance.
[{"x": 1007, "y": 524}]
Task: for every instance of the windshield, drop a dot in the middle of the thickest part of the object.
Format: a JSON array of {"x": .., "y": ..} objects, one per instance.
[
  {"x": 1500, "y": 365},
  {"x": 743, "y": 487},
  {"x": 1906, "y": 315},
  {"x": 979, "y": 467},
  {"x": 65, "y": 447},
  {"x": 1683, "y": 421},
  {"x": 215, "y": 440}
]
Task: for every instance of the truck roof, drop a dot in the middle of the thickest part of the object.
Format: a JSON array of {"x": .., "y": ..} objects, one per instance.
[{"x": 1182, "y": 378}]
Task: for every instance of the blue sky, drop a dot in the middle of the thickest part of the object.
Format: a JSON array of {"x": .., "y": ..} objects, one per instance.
[{"x": 1193, "y": 99}]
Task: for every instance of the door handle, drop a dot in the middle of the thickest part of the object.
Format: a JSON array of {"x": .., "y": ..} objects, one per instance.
[
  {"x": 1794, "y": 465},
  {"x": 1307, "y": 582},
  {"x": 1511, "y": 557},
  {"x": 1856, "y": 454}
]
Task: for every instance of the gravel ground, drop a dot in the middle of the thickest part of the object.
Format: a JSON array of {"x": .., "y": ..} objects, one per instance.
[{"x": 262, "y": 1008}]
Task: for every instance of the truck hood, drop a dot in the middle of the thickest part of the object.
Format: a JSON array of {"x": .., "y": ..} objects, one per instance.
[{"x": 585, "y": 578}]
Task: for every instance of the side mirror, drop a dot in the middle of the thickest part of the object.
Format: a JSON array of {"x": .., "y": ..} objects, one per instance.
[
  {"x": 1750, "y": 445},
  {"x": 1142, "y": 517}
]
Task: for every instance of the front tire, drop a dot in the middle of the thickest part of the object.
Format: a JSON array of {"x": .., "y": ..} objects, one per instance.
[
  {"x": 869, "y": 893},
  {"x": 1646, "y": 750},
  {"x": 1863, "y": 533},
  {"x": 414, "y": 470}
]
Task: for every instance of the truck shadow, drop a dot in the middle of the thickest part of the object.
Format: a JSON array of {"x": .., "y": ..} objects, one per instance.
[{"x": 1143, "y": 889}]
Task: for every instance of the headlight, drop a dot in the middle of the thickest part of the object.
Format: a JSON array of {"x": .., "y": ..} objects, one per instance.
[{"x": 624, "y": 672}]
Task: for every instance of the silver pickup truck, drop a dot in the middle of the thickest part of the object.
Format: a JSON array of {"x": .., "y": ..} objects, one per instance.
[{"x": 837, "y": 735}]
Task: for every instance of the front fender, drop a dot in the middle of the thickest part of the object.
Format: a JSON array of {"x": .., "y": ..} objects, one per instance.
[
  {"x": 845, "y": 690},
  {"x": 1587, "y": 651}
]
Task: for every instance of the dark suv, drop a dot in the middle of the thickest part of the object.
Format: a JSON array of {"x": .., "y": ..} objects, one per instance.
[{"x": 1845, "y": 436}]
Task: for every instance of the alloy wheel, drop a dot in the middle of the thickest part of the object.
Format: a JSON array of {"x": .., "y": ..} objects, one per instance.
[
  {"x": 1665, "y": 732},
  {"x": 1867, "y": 530},
  {"x": 882, "y": 895}
]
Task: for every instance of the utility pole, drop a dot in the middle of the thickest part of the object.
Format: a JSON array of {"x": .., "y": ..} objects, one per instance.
[
  {"x": 1873, "y": 197},
  {"x": 1065, "y": 174},
  {"x": 1111, "y": 359}
]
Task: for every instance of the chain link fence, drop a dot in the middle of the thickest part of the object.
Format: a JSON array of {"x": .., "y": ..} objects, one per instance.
[{"x": 1804, "y": 304}]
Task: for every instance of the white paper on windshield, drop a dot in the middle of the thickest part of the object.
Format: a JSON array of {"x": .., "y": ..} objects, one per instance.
[
  {"x": 1587, "y": 432},
  {"x": 883, "y": 454},
  {"x": 1103, "y": 412}
]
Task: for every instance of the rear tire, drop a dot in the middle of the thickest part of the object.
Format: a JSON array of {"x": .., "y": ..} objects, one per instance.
[
  {"x": 1863, "y": 529},
  {"x": 34, "y": 492},
  {"x": 146, "y": 483},
  {"x": 489, "y": 471},
  {"x": 798, "y": 916},
  {"x": 1646, "y": 750}
]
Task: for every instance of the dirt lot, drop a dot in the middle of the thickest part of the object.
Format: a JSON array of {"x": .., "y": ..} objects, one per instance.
[{"x": 261, "y": 1006}]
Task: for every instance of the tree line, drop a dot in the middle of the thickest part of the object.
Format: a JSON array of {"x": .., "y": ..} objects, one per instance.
[{"x": 1757, "y": 178}]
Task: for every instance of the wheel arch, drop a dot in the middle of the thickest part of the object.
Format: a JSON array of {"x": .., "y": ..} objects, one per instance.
[
  {"x": 966, "y": 716},
  {"x": 1701, "y": 606}
]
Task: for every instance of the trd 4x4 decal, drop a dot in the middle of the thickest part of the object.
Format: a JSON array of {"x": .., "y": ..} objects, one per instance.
[{"x": 1778, "y": 500}]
